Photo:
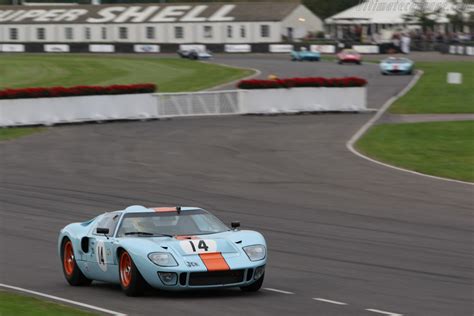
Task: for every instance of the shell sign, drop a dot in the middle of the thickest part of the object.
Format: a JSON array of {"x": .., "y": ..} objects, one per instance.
[{"x": 119, "y": 14}]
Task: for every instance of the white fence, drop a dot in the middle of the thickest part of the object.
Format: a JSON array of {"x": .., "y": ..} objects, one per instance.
[
  {"x": 199, "y": 103},
  {"x": 49, "y": 111}
]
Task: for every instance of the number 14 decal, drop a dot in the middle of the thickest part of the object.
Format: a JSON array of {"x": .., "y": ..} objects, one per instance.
[{"x": 195, "y": 246}]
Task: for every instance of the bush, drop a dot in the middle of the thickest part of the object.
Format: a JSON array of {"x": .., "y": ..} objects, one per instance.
[
  {"x": 315, "y": 82},
  {"x": 54, "y": 92}
]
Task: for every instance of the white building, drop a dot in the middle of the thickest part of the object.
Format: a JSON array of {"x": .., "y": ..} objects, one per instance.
[
  {"x": 210, "y": 23},
  {"x": 379, "y": 15}
]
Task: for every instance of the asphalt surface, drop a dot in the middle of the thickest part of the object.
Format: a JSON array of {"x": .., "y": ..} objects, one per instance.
[{"x": 338, "y": 227}]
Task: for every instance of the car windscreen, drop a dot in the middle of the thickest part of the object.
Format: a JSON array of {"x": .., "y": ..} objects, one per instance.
[
  {"x": 193, "y": 222},
  {"x": 396, "y": 61}
]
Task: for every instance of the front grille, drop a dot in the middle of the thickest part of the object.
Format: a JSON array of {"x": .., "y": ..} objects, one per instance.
[
  {"x": 216, "y": 277},
  {"x": 182, "y": 279}
]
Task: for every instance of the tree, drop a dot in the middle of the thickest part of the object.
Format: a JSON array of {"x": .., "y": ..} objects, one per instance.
[
  {"x": 460, "y": 16},
  {"x": 424, "y": 14}
]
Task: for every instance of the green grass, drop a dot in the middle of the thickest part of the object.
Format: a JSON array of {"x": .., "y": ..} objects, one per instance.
[
  {"x": 432, "y": 94},
  {"x": 170, "y": 74},
  {"x": 16, "y": 132},
  {"x": 18, "y": 305},
  {"x": 444, "y": 149}
]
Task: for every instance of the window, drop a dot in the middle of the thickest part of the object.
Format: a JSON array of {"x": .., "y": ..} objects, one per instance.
[
  {"x": 123, "y": 32},
  {"x": 229, "y": 31},
  {"x": 243, "y": 31},
  {"x": 178, "y": 32},
  {"x": 110, "y": 221},
  {"x": 41, "y": 33},
  {"x": 13, "y": 33},
  {"x": 207, "y": 31},
  {"x": 150, "y": 32},
  {"x": 87, "y": 33},
  {"x": 264, "y": 30},
  {"x": 68, "y": 33},
  {"x": 104, "y": 33}
]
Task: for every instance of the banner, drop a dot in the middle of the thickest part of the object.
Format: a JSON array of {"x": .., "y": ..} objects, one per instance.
[
  {"x": 144, "y": 48},
  {"x": 56, "y": 48},
  {"x": 280, "y": 48},
  {"x": 324, "y": 49},
  {"x": 366, "y": 49},
  {"x": 198, "y": 47},
  {"x": 101, "y": 48},
  {"x": 237, "y": 48},
  {"x": 12, "y": 48}
]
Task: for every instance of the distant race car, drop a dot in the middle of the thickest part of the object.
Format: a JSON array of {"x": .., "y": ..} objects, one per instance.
[
  {"x": 168, "y": 248},
  {"x": 194, "y": 54},
  {"x": 304, "y": 54},
  {"x": 349, "y": 56},
  {"x": 397, "y": 65}
]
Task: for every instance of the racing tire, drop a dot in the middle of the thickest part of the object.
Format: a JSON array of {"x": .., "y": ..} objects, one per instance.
[
  {"x": 340, "y": 62},
  {"x": 72, "y": 273},
  {"x": 131, "y": 280},
  {"x": 359, "y": 63},
  {"x": 254, "y": 287}
]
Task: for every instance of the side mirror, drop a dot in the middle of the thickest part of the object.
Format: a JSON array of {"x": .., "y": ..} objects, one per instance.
[
  {"x": 102, "y": 231},
  {"x": 235, "y": 225}
]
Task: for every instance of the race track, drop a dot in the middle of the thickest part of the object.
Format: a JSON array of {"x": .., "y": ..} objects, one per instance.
[{"x": 339, "y": 228}]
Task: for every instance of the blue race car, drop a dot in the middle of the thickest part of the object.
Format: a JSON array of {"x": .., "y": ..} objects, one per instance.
[
  {"x": 169, "y": 248},
  {"x": 305, "y": 54},
  {"x": 397, "y": 65}
]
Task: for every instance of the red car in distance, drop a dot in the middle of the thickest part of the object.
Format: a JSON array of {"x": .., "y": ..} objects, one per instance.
[{"x": 349, "y": 56}]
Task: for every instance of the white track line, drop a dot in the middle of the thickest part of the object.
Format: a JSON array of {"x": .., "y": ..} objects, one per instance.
[
  {"x": 382, "y": 312},
  {"x": 256, "y": 73},
  {"x": 60, "y": 299},
  {"x": 328, "y": 301},
  {"x": 278, "y": 291},
  {"x": 383, "y": 109}
]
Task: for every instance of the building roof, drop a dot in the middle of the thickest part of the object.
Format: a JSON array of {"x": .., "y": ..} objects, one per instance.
[
  {"x": 147, "y": 13},
  {"x": 389, "y": 12}
]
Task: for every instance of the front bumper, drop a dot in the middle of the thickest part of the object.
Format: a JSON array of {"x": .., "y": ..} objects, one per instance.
[{"x": 204, "y": 279}]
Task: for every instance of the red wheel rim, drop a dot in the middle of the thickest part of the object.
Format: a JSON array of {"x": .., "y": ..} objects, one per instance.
[
  {"x": 125, "y": 269},
  {"x": 68, "y": 258}
]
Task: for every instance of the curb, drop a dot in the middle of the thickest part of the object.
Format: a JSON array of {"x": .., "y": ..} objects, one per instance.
[{"x": 375, "y": 118}]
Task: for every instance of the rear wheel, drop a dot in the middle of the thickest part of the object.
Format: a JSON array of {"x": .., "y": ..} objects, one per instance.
[
  {"x": 254, "y": 287},
  {"x": 71, "y": 271},
  {"x": 131, "y": 280}
]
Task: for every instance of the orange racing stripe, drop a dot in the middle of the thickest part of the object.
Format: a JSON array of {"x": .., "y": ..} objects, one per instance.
[
  {"x": 214, "y": 261},
  {"x": 165, "y": 209}
]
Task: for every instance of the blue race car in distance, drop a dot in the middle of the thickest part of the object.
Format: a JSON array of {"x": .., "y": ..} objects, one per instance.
[
  {"x": 397, "y": 65},
  {"x": 169, "y": 248},
  {"x": 305, "y": 54}
]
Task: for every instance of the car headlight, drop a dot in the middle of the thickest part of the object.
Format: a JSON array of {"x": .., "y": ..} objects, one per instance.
[
  {"x": 255, "y": 252},
  {"x": 163, "y": 259}
]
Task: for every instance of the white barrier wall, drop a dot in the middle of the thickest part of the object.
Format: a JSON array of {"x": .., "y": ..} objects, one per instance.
[
  {"x": 48, "y": 111},
  {"x": 268, "y": 101}
]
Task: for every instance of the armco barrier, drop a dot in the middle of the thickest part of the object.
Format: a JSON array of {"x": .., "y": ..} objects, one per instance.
[{"x": 49, "y": 111}]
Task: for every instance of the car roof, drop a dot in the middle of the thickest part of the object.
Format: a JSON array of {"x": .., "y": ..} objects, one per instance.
[{"x": 143, "y": 209}]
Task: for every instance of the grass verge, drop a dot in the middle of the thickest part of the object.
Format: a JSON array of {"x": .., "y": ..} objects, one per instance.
[
  {"x": 444, "y": 149},
  {"x": 170, "y": 74},
  {"x": 18, "y": 305},
  {"x": 433, "y": 95},
  {"x": 16, "y": 132}
]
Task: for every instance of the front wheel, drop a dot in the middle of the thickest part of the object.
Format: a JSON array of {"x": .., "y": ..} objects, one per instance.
[
  {"x": 72, "y": 273},
  {"x": 131, "y": 280},
  {"x": 254, "y": 287}
]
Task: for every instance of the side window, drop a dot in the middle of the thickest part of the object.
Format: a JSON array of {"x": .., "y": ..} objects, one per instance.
[{"x": 110, "y": 221}]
